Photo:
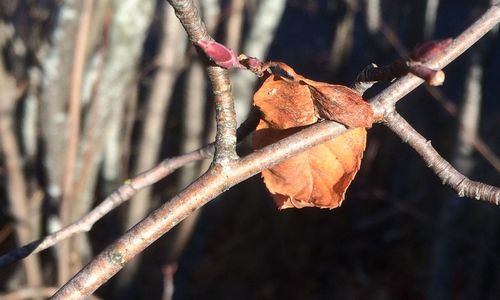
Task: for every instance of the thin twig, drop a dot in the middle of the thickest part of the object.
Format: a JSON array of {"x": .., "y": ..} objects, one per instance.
[
  {"x": 443, "y": 169},
  {"x": 169, "y": 66},
  {"x": 120, "y": 195},
  {"x": 225, "y": 116},
  {"x": 448, "y": 105},
  {"x": 389, "y": 97},
  {"x": 124, "y": 193},
  {"x": 73, "y": 134}
]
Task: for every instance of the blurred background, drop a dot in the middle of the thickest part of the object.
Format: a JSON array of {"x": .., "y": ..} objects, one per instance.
[{"x": 93, "y": 92}]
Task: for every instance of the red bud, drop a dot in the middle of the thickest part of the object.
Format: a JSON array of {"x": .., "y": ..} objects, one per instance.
[
  {"x": 219, "y": 54},
  {"x": 430, "y": 49}
]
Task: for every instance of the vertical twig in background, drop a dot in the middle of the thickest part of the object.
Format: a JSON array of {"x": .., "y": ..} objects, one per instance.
[
  {"x": 431, "y": 9},
  {"x": 372, "y": 11},
  {"x": 29, "y": 127},
  {"x": 170, "y": 61},
  {"x": 234, "y": 25},
  {"x": 17, "y": 189},
  {"x": 453, "y": 210},
  {"x": 127, "y": 31},
  {"x": 74, "y": 112},
  {"x": 128, "y": 27},
  {"x": 168, "y": 281},
  {"x": 343, "y": 38},
  {"x": 257, "y": 44}
]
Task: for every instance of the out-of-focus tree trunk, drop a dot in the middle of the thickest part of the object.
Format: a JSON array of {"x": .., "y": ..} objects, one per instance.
[
  {"x": 127, "y": 31},
  {"x": 373, "y": 15},
  {"x": 234, "y": 24},
  {"x": 170, "y": 61},
  {"x": 343, "y": 38},
  {"x": 16, "y": 186},
  {"x": 431, "y": 10},
  {"x": 453, "y": 210},
  {"x": 57, "y": 65}
]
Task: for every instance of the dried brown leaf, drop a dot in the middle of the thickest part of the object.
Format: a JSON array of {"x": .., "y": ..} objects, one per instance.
[{"x": 321, "y": 175}]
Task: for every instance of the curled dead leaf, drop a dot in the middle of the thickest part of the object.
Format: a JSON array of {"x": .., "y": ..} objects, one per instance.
[{"x": 321, "y": 175}]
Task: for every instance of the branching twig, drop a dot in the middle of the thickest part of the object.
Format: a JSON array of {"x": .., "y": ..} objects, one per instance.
[
  {"x": 446, "y": 103},
  {"x": 120, "y": 195},
  {"x": 406, "y": 84},
  {"x": 124, "y": 193}
]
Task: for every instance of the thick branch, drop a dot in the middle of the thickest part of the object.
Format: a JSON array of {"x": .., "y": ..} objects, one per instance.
[
  {"x": 207, "y": 187},
  {"x": 225, "y": 139},
  {"x": 449, "y": 175}
]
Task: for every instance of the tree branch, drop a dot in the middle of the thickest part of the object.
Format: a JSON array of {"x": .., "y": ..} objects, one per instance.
[
  {"x": 389, "y": 97},
  {"x": 124, "y": 193},
  {"x": 442, "y": 168},
  {"x": 225, "y": 116},
  {"x": 120, "y": 195},
  {"x": 220, "y": 178}
]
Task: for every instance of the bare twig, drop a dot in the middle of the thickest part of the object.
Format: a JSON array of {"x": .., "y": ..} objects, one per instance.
[
  {"x": 73, "y": 133},
  {"x": 225, "y": 115},
  {"x": 124, "y": 193},
  {"x": 448, "y": 105},
  {"x": 218, "y": 179},
  {"x": 443, "y": 169},
  {"x": 169, "y": 63},
  {"x": 471, "y": 35},
  {"x": 120, "y": 195},
  {"x": 215, "y": 181}
]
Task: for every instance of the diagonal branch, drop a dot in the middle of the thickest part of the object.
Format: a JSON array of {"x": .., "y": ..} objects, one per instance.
[
  {"x": 443, "y": 169},
  {"x": 124, "y": 193},
  {"x": 115, "y": 199},
  {"x": 389, "y": 97}
]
